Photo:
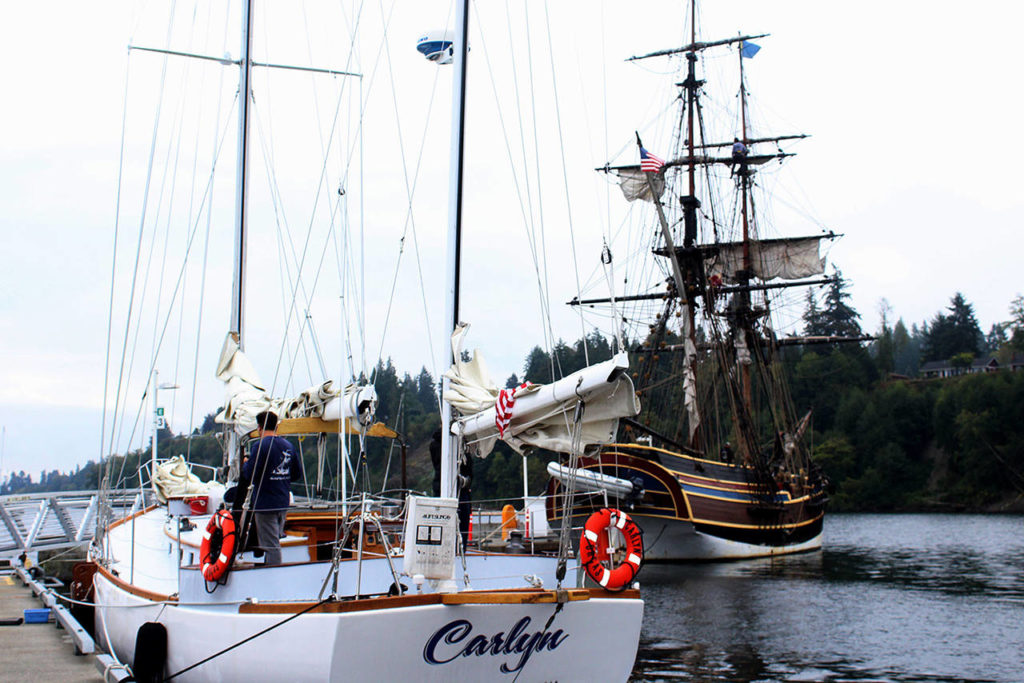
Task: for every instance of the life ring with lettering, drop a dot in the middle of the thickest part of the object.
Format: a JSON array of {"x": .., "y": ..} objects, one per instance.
[
  {"x": 594, "y": 549},
  {"x": 218, "y": 545}
]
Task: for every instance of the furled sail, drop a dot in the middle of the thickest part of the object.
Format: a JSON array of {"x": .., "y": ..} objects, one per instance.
[
  {"x": 633, "y": 183},
  {"x": 788, "y": 258},
  {"x": 246, "y": 397},
  {"x": 543, "y": 416}
]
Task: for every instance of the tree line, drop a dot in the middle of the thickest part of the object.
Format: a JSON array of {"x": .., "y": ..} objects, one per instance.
[{"x": 887, "y": 439}]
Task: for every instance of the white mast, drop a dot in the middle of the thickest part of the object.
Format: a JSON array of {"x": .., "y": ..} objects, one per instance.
[
  {"x": 241, "y": 210},
  {"x": 449, "y": 481},
  {"x": 242, "y": 178}
]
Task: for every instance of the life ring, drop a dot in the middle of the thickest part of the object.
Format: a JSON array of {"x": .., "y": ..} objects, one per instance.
[
  {"x": 594, "y": 548},
  {"x": 219, "y": 543}
]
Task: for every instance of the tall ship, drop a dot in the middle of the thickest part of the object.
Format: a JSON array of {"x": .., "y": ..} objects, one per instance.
[{"x": 718, "y": 464}]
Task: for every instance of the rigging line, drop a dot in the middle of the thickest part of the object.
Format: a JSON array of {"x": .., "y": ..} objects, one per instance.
[
  {"x": 528, "y": 217},
  {"x": 553, "y": 357},
  {"x": 410, "y": 190},
  {"x": 604, "y": 103},
  {"x": 317, "y": 196},
  {"x": 141, "y": 408},
  {"x": 135, "y": 272},
  {"x": 191, "y": 197},
  {"x": 171, "y": 169},
  {"x": 523, "y": 207},
  {"x": 565, "y": 180},
  {"x": 350, "y": 155},
  {"x": 267, "y": 147},
  {"x": 206, "y": 252},
  {"x": 206, "y": 196},
  {"x": 283, "y": 240},
  {"x": 336, "y": 204},
  {"x": 113, "y": 278},
  {"x": 399, "y": 416},
  {"x": 342, "y": 262}
]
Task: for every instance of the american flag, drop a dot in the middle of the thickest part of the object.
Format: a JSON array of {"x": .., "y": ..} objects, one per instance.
[{"x": 649, "y": 162}]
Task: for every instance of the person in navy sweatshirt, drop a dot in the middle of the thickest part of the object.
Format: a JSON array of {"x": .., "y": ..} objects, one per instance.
[{"x": 271, "y": 467}]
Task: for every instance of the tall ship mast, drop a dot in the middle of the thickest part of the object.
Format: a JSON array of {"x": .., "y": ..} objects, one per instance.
[{"x": 718, "y": 464}]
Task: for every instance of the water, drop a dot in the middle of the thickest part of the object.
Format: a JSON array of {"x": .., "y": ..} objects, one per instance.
[{"x": 889, "y": 598}]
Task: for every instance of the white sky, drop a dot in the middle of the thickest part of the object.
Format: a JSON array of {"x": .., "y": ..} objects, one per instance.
[{"x": 912, "y": 108}]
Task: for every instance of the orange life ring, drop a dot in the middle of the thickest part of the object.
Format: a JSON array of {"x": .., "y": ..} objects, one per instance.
[
  {"x": 594, "y": 548},
  {"x": 219, "y": 541}
]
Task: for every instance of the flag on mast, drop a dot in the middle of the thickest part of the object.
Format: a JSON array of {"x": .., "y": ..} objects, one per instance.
[
  {"x": 649, "y": 162},
  {"x": 749, "y": 49}
]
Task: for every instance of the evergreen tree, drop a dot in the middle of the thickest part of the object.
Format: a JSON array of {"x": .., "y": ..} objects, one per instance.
[
  {"x": 906, "y": 349},
  {"x": 813, "y": 324},
  {"x": 838, "y": 318},
  {"x": 426, "y": 391},
  {"x": 996, "y": 338},
  {"x": 953, "y": 333},
  {"x": 1016, "y": 328},
  {"x": 884, "y": 349},
  {"x": 537, "y": 368}
]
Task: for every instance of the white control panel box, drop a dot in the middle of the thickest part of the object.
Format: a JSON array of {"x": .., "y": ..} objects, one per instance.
[{"x": 431, "y": 526}]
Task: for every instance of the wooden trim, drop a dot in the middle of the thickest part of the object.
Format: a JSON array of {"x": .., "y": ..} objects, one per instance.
[
  {"x": 390, "y": 602},
  {"x": 314, "y": 425},
  {"x": 628, "y": 594},
  {"x": 134, "y": 590},
  {"x": 513, "y": 596}
]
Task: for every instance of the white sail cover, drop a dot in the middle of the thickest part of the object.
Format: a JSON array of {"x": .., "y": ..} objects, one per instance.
[
  {"x": 246, "y": 397},
  {"x": 542, "y": 416},
  {"x": 174, "y": 478},
  {"x": 633, "y": 183},
  {"x": 470, "y": 388},
  {"x": 789, "y": 259}
]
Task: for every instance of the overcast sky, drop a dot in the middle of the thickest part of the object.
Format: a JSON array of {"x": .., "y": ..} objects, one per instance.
[{"x": 912, "y": 108}]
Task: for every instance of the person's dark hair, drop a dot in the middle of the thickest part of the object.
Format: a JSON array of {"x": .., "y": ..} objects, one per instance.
[{"x": 267, "y": 421}]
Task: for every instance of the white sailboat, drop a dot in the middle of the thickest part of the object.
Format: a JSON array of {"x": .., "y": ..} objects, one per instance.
[{"x": 465, "y": 616}]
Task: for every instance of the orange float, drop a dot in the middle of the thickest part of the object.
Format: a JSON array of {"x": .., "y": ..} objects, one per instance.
[
  {"x": 594, "y": 549},
  {"x": 219, "y": 541}
]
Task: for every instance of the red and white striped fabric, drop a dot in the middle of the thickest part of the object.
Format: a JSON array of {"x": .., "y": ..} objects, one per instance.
[{"x": 503, "y": 407}]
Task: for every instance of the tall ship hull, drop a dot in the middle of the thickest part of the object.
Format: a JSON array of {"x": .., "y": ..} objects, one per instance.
[{"x": 692, "y": 509}]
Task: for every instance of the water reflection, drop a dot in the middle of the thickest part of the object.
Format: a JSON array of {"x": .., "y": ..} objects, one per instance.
[{"x": 890, "y": 598}]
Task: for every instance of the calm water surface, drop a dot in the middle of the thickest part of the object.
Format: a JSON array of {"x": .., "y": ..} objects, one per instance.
[{"x": 889, "y": 598}]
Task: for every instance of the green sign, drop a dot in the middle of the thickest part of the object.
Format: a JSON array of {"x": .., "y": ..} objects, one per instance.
[{"x": 160, "y": 412}]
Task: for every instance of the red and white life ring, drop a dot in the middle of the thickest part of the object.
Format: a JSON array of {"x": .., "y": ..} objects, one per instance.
[
  {"x": 594, "y": 549},
  {"x": 219, "y": 540}
]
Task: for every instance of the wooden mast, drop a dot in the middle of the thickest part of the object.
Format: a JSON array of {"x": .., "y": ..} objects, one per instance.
[
  {"x": 744, "y": 308},
  {"x": 690, "y": 205}
]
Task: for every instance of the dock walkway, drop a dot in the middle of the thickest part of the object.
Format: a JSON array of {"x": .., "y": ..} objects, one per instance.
[{"x": 37, "y": 652}]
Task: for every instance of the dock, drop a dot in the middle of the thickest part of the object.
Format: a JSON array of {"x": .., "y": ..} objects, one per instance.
[{"x": 38, "y": 652}]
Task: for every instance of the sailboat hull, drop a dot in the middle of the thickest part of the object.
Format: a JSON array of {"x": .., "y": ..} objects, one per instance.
[
  {"x": 692, "y": 509},
  {"x": 483, "y": 635}
]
